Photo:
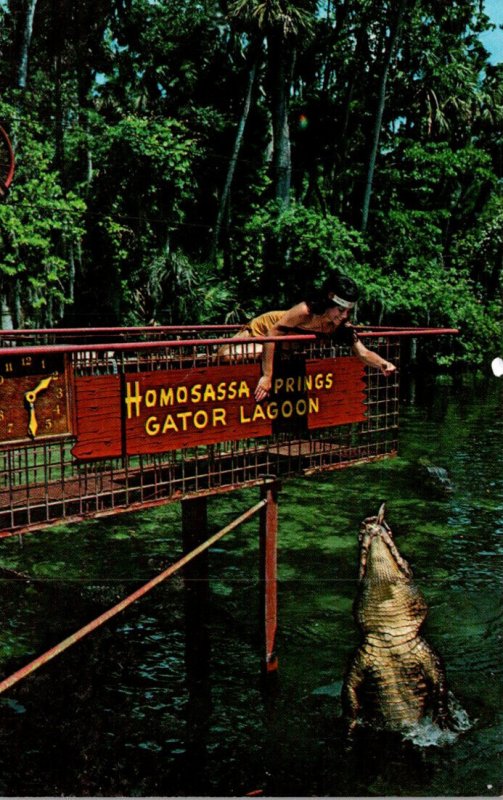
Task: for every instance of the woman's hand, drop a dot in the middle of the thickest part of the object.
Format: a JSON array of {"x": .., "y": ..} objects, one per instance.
[
  {"x": 263, "y": 388},
  {"x": 387, "y": 368}
]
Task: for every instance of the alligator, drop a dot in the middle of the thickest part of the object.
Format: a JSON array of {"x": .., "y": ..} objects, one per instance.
[
  {"x": 434, "y": 480},
  {"x": 395, "y": 679}
]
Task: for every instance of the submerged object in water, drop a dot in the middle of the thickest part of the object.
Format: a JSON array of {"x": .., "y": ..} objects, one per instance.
[
  {"x": 395, "y": 679},
  {"x": 434, "y": 480}
]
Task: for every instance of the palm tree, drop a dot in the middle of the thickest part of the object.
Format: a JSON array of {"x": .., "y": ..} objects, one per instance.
[
  {"x": 280, "y": 22},
  {"x": 376, "y": 132},
  {"x": 254, "y": 56}
]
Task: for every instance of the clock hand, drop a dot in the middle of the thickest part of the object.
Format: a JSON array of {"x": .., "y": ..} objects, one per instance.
[
  {"x": 30, "y": 398},
  {"x": 32, "y": 424},
  {"x": 44, "y": 383}
]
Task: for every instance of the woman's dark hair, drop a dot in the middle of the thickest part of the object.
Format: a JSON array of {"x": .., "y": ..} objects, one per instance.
[{"x": 341, "y": 285}]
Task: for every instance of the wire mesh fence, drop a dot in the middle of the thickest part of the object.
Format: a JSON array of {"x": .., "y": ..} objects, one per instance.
[{"x": 102, "y": 421}]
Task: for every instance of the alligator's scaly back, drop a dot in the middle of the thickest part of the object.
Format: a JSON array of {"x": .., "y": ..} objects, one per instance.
[{"x": 395, "y": 678}]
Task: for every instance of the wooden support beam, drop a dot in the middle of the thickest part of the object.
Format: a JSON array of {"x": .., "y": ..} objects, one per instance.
[
  {"x": 268, "y": 575},
  {"x": 195, "y": 575}
]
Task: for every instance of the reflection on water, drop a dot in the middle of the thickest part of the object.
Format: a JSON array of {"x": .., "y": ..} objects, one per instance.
[{"x": 146, "y": 707}]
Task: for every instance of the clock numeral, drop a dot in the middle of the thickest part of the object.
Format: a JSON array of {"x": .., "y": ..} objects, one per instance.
[
  {"x": 2, "y": 415},
  {"x": 26, "y": 361},
  {"x": 59, "y": 393},
  {"x": 48, "y": 424},
  {"x": 10, "y": 427},
  {"x": 9, "y": 367}
]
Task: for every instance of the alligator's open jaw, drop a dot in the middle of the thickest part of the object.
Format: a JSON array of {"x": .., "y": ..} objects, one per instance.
[{"x": 379, "y": 557}]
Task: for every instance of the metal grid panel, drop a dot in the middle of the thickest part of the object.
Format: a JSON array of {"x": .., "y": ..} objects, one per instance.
[{"x": 42, "y": 483}]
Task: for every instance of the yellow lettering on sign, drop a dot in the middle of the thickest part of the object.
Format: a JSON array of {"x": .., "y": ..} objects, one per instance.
[
  {"x": 243, "y": 420},
  {"x": 286, "y": 409},
  {"x": 258, "y": 413},
  {"x": 152, "y": 427},
  {"x": 137, "y": 397},
  {"x": 200, "y": 419},
  {"x": 162, "y": 396},
  {"x": 301, "y": 408},
  {"x": 176, "y": 422},
  {"x": 272, "y": 410},
  {"x": 219, "y": 417},
  {"x": 244, "y": 389},
  {"x": 166, "y": 396},
  {"x": 169, "y": 424},
  {"x": 303, "y": 383},
  {"x": 209, "y": 393},
  {"x": 133, "y": 399},
  {"x": 150, "y": 398},
  {"x": 184, "y": 416}
]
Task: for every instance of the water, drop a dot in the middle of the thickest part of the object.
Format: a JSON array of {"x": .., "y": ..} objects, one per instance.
[{"x": 117, "y": 714}]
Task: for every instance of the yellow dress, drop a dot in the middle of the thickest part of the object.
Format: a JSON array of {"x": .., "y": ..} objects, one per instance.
[{"x": 260, "y": 326}]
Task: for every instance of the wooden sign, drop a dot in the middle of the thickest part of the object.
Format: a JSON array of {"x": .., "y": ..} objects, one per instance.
[{"x": 157, "y": 411}]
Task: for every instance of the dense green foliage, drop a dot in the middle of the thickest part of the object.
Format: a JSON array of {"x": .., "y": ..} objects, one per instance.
[{"x": 200, "y": 161}]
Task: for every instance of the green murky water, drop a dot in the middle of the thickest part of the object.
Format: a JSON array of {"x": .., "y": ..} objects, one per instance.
[{"x": 117, "y": 714}]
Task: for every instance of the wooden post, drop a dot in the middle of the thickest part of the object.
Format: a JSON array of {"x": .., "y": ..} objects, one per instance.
[
  {"x": 195, "y": 574},
  {"x": 197, "y": 644},
  {"x": 268, "y": 575}
]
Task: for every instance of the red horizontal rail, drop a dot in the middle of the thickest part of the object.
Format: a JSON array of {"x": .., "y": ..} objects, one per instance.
[
  {"x": 155, "y": 345},
  {"x": 374, "y": 331},
  {"x": 179, "y": 343},
  {"x": 133, "y": 329},
  {"x": 397, "y": 327}
]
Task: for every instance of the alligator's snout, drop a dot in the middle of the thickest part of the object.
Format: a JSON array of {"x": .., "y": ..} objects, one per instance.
[{"x": 379, "y": 557}]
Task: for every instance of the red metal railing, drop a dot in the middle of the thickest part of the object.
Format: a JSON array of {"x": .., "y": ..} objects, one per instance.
[
  {"x": 22, "y": 335},
  {"x": 59, "y": 648},
  {"x": 41, "y": 480}
]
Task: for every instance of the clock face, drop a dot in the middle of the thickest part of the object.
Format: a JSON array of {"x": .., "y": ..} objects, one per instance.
[{"x": 34, "y": 402}]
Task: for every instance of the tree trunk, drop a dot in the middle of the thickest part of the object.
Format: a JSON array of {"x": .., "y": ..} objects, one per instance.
[
  {"x": 58, "y": 102},
  {"x": 25, "y": 45},
  {"x": 379, "y": 113},
  {"x": 17, "y": 313},
  {"x": 224, "y": 200},
  {"x": 280, "y": 71},
  {"x": 6, "y": 322}
]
